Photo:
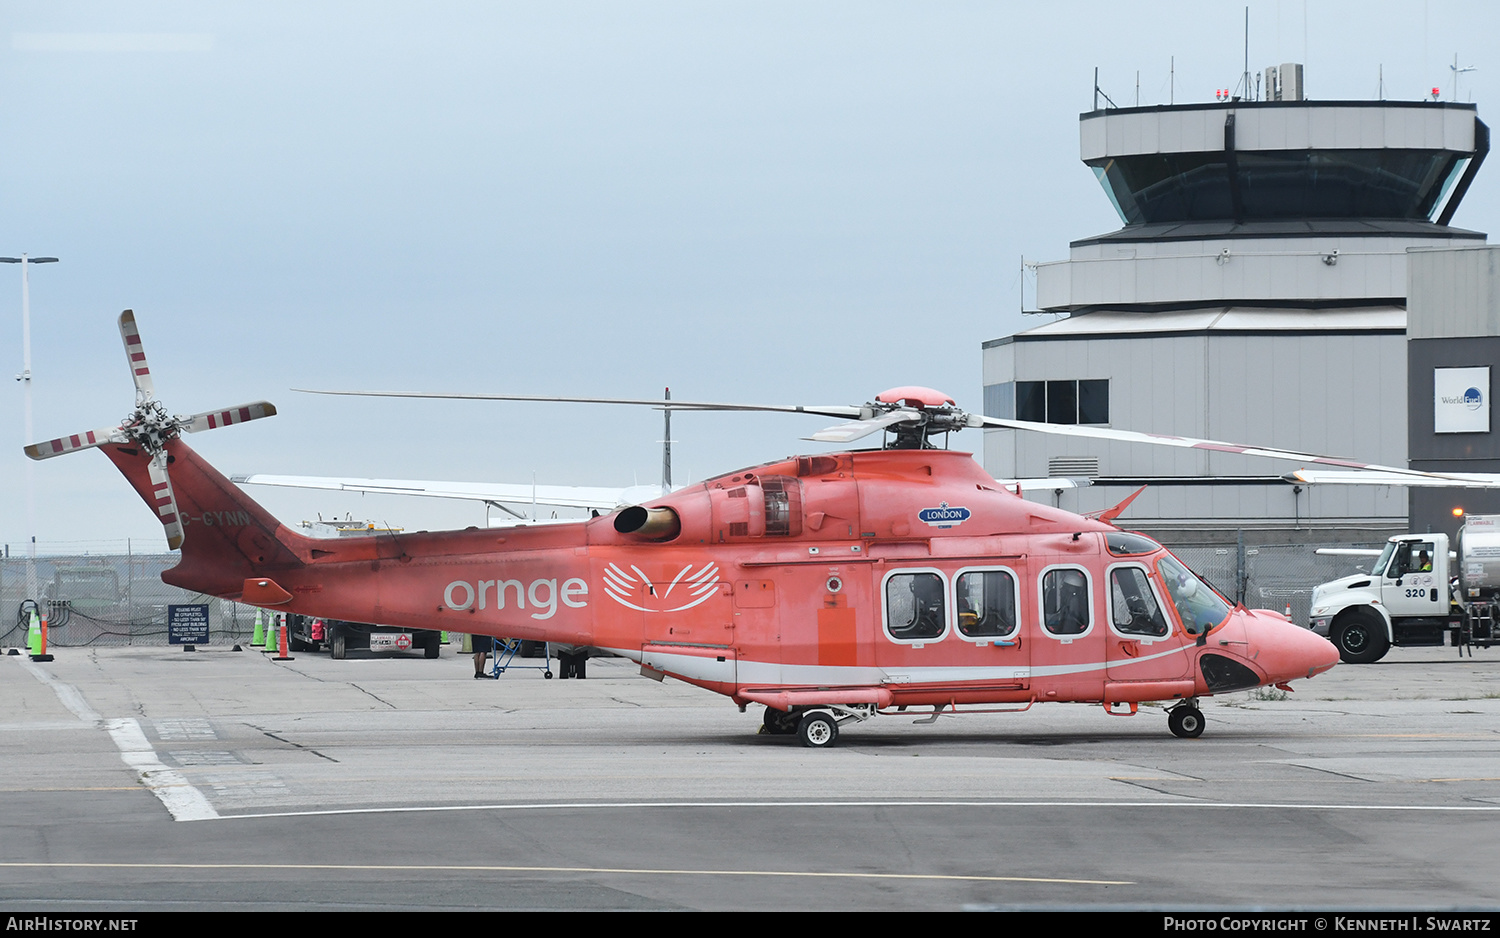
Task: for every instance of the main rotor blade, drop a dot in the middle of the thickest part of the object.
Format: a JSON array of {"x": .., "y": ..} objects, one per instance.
[
  {"x": 1446, "y": 480},
  {"x": 164, "y": 501},
  {"x": 1238, "y": 449},
  {"x": 68, "y": 444},
  {"x": 832, "y": 410},
  {"x": 516, "y": 493},
  {"x": 856, "y": 429},
  {"x": 210, "y": 420},
  {"x": 135, "y": 356}
]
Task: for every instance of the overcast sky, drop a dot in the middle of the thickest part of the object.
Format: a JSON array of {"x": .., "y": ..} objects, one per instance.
[{"x": 777, "y": 202}]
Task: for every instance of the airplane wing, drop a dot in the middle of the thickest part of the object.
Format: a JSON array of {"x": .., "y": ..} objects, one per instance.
[{"x": 562, "y": 496}]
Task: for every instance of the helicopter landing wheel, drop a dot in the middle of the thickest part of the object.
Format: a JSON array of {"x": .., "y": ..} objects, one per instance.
[
  {"x": 818, "y": 730},
  {"x": 779, "y": 722},
  {"x": 1185, "y": 722}
]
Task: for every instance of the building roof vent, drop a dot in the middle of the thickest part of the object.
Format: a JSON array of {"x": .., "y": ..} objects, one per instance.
[{"x": 1073, "y": 467}]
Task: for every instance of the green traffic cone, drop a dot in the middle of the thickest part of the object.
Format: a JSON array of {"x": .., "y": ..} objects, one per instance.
[
  {"x": 260, "y": 629},
  {"x": 33, "y": 635}
]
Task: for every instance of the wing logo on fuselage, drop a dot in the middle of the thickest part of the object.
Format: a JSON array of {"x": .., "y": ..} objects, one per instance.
[{"x": 635, "y": 590}]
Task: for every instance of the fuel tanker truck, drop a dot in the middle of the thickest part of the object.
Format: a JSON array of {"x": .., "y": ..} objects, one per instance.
[{"x": 1420, "y": 591}]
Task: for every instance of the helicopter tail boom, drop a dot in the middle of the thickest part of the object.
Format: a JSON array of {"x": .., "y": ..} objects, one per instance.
[{"x": 228, "y": 536}]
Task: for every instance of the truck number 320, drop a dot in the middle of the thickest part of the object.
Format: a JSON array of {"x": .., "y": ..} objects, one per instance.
[{"x": 1418, "y": 594}]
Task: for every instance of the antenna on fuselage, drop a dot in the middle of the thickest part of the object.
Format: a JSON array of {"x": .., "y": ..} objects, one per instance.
[{"x": 666, "y": 446}]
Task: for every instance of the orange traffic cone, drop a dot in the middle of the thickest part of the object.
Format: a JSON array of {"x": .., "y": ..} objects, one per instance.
[{"x": 281, "y": 654}]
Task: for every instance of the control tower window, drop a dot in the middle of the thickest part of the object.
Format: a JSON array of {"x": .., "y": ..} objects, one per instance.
[
  {"x": 1291, "y": 184},
  {"x": 1085, "y": 402}
]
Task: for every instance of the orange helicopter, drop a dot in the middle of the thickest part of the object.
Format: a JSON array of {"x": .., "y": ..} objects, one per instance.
[{"x": 830, "y": 589}]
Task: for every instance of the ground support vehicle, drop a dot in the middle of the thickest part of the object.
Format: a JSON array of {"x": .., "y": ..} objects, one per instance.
[
  {"x": 507, "y": 650},
  {"x": 312, "y": 633},
  {"x": 1418, "y": 592}
]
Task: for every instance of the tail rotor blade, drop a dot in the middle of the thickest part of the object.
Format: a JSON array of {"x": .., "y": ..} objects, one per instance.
[
  {"x": 164, "y": 501},
  {"x": 210, "y": 420},
  {"x": 68, "y": 444},
  {"x": 135, "y": 355}
]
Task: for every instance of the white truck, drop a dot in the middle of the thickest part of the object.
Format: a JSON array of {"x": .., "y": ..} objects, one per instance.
[{"x": 1418, "y": 592}]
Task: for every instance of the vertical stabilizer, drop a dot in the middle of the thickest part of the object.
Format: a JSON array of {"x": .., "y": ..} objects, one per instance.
[{"x": 226, "y": 537}]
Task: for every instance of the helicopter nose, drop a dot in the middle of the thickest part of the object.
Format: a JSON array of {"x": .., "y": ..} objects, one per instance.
[{"x": 1286, "y": 652}]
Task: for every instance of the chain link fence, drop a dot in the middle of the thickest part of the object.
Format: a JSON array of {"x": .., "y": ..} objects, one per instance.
[
  {"x": 107, "y": 600},
  {"x": 1280, "y": 577},
  {"x": 111, "y": 600}
]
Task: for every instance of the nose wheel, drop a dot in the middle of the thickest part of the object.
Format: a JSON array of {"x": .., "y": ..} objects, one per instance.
[{"x": 1185, "y": 720}]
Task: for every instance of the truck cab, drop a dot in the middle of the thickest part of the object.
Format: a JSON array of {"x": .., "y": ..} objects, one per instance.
[{"x": 1403, "y": 600}]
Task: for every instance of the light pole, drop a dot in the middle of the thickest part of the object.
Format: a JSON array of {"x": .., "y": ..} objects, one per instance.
[{"x": 25, "y": 378}]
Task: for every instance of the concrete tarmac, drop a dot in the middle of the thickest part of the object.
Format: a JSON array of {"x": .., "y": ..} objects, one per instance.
[{"x": 136, "y": 779}]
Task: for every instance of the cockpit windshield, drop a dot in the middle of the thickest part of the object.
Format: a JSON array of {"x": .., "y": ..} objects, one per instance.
[
  {"x": 1198, "y": 606},
  {"x": 1385, "y": 557}
]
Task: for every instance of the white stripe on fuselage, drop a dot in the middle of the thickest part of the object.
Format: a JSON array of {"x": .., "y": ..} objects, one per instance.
[{"x": 750, "y": 671}]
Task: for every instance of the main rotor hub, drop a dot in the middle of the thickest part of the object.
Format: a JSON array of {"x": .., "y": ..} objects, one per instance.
[
  {"x": 933, "y": 412},
  {"x": 915, "y": 396}
]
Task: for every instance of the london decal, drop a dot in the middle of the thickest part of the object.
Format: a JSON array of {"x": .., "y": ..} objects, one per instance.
[{"x": 943, "y": 516}]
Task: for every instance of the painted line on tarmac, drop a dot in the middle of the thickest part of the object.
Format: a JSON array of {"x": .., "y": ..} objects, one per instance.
[
  {"x": 67, "y": 694},
  {"x": 628, "y": 871},
  {"x": 617, "y": 805},
  {"x": 182, "y": 800}
]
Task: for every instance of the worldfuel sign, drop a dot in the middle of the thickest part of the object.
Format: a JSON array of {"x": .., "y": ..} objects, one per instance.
[{"x": 1461, "y": 400}]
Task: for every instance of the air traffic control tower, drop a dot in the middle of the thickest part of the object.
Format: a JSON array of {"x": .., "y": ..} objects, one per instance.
[{"x": 1257, "y": 293}]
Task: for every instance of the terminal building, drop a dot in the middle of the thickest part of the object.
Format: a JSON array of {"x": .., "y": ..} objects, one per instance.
[{"x": 1287, "y": 275}]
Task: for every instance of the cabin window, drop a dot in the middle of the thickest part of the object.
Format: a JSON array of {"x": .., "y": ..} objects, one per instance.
[
  {"x": 1065, "y": 601},
  {"x": 914, "y": 606},
  {"x": 1133, "y": 607},
  {"x": 986, "y": 603}
]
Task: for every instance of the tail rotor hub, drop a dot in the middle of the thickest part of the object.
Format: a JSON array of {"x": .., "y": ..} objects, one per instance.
[{"x": 150, "y": 427}]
